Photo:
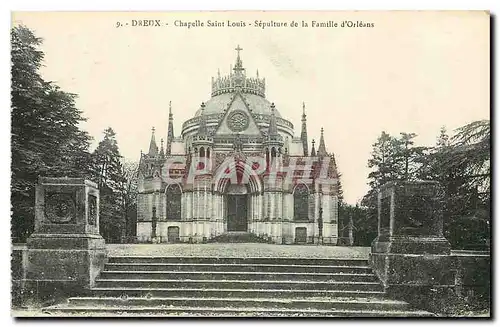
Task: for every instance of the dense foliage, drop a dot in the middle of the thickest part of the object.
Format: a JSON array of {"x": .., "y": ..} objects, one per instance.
[
  {"x": 47, "y": 141},
  {"x": 461, "y": 164}
]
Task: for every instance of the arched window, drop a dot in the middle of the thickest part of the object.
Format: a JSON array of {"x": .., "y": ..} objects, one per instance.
[
  {"x": 273, "y": 152},
  {"x": 173, "y": 203},
  {"x": 301, "y": 202},
  {"x": 202, "y": 152},
  {"x": 208, "y": 153}
]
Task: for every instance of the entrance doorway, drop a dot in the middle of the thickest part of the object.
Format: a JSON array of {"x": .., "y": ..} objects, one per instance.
[
  {"x": 300, "y": 235},
  {"x": 237, "y": 213},
  {"x": 173, "y": 234}
]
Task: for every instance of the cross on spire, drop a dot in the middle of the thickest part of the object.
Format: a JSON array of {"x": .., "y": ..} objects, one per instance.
[
  {"x": 238, "y": 48},
  {"x": 239, "y": 65}
]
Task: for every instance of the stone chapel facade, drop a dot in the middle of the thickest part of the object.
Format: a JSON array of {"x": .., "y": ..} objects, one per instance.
[{"x": 237, "y": 168}]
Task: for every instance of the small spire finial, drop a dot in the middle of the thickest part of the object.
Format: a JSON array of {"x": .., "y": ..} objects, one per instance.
[
  {"x": 170, "y": 107},
  {"x": 153, "y": 129},
  {"x": 313, "y": 150},
  {"x": 238, "y": 48}
]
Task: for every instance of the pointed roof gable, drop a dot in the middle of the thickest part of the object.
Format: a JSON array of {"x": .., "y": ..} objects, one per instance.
[{"x": 238, "y": 119}]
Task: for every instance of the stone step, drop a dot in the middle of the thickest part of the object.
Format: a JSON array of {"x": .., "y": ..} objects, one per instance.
[
  {"x": 219, "y": 302},
  {"x": 227, "y": 275},
  {"x": 234, "y": 267},
  {"x": 241, "y": 260},
  {"x": 227, "y": 293},
  {"x": 124, "y": 311},
  {"x": 253, "y": 284}
]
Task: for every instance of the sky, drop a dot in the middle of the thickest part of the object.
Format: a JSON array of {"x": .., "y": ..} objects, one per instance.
[{"x": 410, "y": 72}]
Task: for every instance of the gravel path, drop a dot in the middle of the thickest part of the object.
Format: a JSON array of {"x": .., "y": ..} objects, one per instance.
[{"x": 238, "y": 250}]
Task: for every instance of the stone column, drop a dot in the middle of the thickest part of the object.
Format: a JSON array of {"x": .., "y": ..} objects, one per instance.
[{"x": 65, "y": 251}]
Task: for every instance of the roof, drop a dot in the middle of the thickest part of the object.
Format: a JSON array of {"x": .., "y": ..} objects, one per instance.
[{"x": 257, "y": 104}]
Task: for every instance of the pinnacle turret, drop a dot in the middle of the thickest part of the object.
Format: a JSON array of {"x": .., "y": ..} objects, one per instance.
[
  {"x": 273, "y": 128},
  {"x": 153, "y": 148},
  {"x": 322, "y": 148},
  {"x": 202, "y": 129},
  {"x": 162, "y": 151},
  {"x": 170, "y": 135},
  {"x": 303, "y": 134}
]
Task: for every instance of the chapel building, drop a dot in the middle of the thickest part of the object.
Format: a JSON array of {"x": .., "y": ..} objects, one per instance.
[{"x": 237, "y": 168}]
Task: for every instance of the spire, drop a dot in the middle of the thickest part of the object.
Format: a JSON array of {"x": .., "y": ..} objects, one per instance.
[
  {"x": 239, "y": 64},
  {"x": 170, "y": 135},
  {"x": 303, "y": 134},
  {"x": 202, "y": 129},
  {"x": 313, "y": 151},
  {"x": 273, "y": 128},
  {"x": 162, "y": 152},
  {"x": 322, "y": 148},
  {"x": 153, "y": 148}
]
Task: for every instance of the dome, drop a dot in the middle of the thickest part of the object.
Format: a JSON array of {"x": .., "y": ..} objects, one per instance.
[{"x": 259, "y": 105}]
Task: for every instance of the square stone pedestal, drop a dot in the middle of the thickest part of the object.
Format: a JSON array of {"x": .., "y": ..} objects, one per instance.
[
  {"x": 66, "y": 251},
  {"x": 410, "y": 254}
]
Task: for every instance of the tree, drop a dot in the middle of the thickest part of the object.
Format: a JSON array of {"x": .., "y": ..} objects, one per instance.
[
  {"x": 392, "y": 159},
  {"x": 462, "y": 165},
  {"x": 46, "y": 139},
  {"x": 108, "y": 171},
  {"x": 409, "y": 156},
  {"x": 384, "y": 163},
  {"x": 443, "y": 139},
  {"x": 357, "y": 222},
  {"x": 129, "y": 195},
  {"x": 386, "y": 166}
]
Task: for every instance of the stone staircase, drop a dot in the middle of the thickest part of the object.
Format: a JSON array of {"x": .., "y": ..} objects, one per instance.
[{"x": 229, "y": 287}]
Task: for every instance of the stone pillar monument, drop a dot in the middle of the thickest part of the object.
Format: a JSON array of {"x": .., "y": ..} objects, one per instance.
[
  {"x": 410, "y": 253},
  {"x": 65, "y": 251}
]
